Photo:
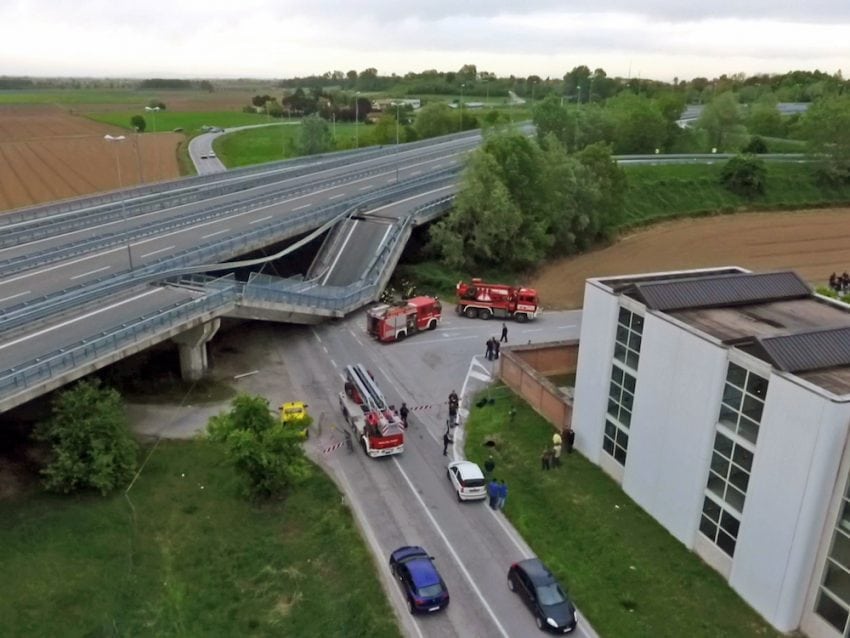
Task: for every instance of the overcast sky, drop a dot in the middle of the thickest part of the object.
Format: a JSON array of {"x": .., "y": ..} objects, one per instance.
[{"x": 658, "y": 39}]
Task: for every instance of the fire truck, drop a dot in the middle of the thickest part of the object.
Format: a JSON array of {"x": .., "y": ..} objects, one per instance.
[
  {"x": 376, "y": 424},
  {"x": 485, "y": 301},
  {"x": 394, "y": 323}
]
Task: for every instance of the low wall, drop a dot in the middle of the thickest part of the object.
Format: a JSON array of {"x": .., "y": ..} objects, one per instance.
[{"x": 524, "y": 370}]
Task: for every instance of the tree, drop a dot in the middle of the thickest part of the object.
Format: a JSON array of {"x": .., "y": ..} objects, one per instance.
[
  {"x": 314, "y": 136},
  {"x": 550, "y": 118},
  {"x": 756, "y": 146},
  {"x": 263, "y": 450},
  {"x": 435, "y": 119},
  {"x": 138, "y": 123},
  {"x": 826, "y": 127},
  {"x": 207, "y": 86},
  {"x": 90, "y": 442},
  {"x": 384, "y": 131},
  {"x": 611, "y": 184},
  {"x": 156, "y": 104},
  {"x": 764, "y": 118},
  {"x": 639, "y": 126},
  {"x": 721, "y": 119},
  {"x": 744, "y": 175}
]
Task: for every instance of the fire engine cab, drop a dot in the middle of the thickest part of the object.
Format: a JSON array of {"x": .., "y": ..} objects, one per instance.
[
  {"x": 485, "y": 301},
  {"x": 376, "y": 424},
  {"x": 394, "y": 323}
]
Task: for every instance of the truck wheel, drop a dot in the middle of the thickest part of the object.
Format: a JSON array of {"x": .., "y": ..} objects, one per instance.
[
  {"x": 432, "y": 325},
  {"x": 471, "y": 313},
  {"x": 400, "y": 336},
  {"x": 485, "y": 314},
  {"x": 521, "y": 318},
  {"x": 363, "y": 445}
]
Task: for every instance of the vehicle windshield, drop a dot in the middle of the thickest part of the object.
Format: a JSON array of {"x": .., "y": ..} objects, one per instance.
[
  {"x": 430, "y": 591},
  {"x": 550, "y": 594},
  {"x": 475, "y": 482}
]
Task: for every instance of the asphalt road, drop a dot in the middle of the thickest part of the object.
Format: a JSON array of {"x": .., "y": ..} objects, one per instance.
[
  {"x": 201, "y": 147},
  {"x": 407, "y": 499}
]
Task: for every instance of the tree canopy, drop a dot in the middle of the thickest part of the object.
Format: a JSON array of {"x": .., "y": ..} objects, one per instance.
[{"x": 826, "y": 126}]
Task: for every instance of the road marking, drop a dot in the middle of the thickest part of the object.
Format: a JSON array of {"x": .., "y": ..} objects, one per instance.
[
  {"x": 532, "y": 330},
  {"x": 415, "y": 173},
  {"x": 262, "y": 219},
  {"x": 511, "y": 534},
  {"x": 76, "y": 319},
  {"x": 218, "y": 232},
  {"x": 337, "y": 196},
  {"x": 425, "y": 342},
  {"x": 363, "y": 188},
  {"x": 451, "y": 549},
  {"x": 570, "y": 325},
  {"x": 31, "y": 273},
  {"x": 158, "y": 250},
  {"x": 20, "y": 294},
  {"x": 470, "y": 373},
  {"x": 302, "y": 207},
  {"x": 339, "y": 253},
  {"x": 91, "y": 272}
]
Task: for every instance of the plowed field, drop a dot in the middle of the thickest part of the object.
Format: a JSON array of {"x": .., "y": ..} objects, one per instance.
[
  {"x": 48, "y": 154},
  {"x": 814, "y": 243}
]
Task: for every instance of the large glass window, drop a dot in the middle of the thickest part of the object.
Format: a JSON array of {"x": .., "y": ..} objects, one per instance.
[
  {"x": 833, "y": 599},
  {"x": 621, "y": 392},
  {"x": 732, "y": 458}
]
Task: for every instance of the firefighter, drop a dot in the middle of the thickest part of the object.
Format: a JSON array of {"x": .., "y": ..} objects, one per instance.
[
  {"x": 454, "y": 401},
  {"x": 403, "y": 412}
]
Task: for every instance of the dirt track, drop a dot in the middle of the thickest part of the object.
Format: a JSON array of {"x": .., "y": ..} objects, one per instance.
[
  {"x": 48, "y": 154},
  {"x": 814, "y": 243}
]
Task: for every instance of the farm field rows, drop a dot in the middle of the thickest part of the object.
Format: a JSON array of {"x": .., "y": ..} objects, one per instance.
[{"x": 813, "y": 242}]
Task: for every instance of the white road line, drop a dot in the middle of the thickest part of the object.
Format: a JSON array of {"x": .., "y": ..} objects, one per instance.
[
  {"x": 15, "y": 296},
  {"x": 64, "y": 264},
  {"x": 262, "y": 219},
  {"x": 363, "y": 188},
  {"x": 218, "y": 232},
  {"x": 422, "y": 342},
  {"x": 76, "y": 319},
  {"x": 91, "y": 272},
  {"x": 571, "y": 325},
  {"x": 524, "y": 551},
  {"x": 316, "y": 334},
  {"x": 158, "y": 250},
  {"x": 532, "y": 330},
  {"x": 303, "y": 206},
  {"x": 451, "y": 549},
  {"x": 337, "y": 196},
  {"x": 333, "y": 363},
  {"x": 339, "y": 253},
  {"x": 414, "y": 173}
]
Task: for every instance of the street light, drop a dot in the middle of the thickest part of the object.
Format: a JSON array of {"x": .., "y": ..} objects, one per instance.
[
  {"x": 154, "y": 110},
  {"x": 460, "y": 124},
  {"x": 356, "y": 119},
  {"x": 121, "y": 138},
  {"x": 397, "y": 116}
]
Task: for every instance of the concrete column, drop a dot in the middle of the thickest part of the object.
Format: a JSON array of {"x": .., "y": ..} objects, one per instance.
[{"x": 192, "y": 345}]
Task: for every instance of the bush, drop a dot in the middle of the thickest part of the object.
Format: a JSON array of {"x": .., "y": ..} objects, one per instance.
[
  {"x": 756, "y": 146},
  {"x": 744, "y": 175},
  {"x": 138, "y": 123},
  {"x": 91, "y": 445}
]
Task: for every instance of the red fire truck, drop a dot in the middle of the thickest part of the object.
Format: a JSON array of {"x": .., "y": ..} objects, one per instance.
[
  {"x": 376, "y": 424},
  {"x": 485, "y": 301},
  {"x": 394, "y": 323}
]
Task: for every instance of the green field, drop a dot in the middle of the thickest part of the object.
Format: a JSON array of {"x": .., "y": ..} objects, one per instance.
[
  {"x": 627, "y": 574},
  {"x": 188, "y": 558},
  {"x": 685, "y": 190},
  {"x": 191, "y": 123},
  {"x": 76, "y": 96}
]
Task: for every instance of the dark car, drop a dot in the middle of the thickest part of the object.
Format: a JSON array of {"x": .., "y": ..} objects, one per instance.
[
  {"x": 540, "y": 591},
  {"x": 423, "y": 586}
]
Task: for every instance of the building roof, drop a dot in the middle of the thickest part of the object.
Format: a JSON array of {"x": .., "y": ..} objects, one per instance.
[{"x": 773, "y": 316}]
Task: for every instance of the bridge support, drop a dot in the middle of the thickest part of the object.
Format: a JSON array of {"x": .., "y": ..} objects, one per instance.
[{"x": 192, "y": 345}]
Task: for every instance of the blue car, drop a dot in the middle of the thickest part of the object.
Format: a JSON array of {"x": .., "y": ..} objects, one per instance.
[{"x": 422, "y": 584}]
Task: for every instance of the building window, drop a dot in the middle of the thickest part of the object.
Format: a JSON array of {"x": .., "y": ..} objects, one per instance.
[
  {"x": 833, "y": 601},
  {"x": 732, "y": 458},
  {"x": 621, "y": 393}
]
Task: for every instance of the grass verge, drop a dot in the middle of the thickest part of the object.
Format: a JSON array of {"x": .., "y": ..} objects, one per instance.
[
  {"x": 190, "y": 122},
  {"x": 190, "y": 558},
  {"x": 627, "y": 574}
]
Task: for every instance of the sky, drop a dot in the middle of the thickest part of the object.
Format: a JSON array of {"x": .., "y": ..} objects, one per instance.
[{"x": 657, "y": 39}]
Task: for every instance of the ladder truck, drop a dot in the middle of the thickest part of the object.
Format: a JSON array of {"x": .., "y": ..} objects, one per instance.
[
  {"x": 375, "y": 423},
  {"x": 486, "y": 301}
]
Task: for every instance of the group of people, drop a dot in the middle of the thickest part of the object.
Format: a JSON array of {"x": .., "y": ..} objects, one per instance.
[
  {"x": 551, "y": 456},
  {"x": 840, "y": 283},
  {"x": 493, "y": 345},
  {"x": 497, "y": 492}
]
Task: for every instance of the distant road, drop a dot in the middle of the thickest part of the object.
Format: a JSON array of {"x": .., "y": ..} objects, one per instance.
[{"x": 201, "y": 147}]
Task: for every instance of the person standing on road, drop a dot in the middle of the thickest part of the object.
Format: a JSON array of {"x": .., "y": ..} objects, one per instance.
[
  {"x": 504, "y": 336},
  {"x": 496, "y": 347},
  {"x": 503, "y": 495},
  {"x": 570, "y": 435},
  {"x": 493, "y": 493},
  {"x": 488, "y": 354},
  {"x": 403, "y": 412},
  {"x": 447, "y": 441}
]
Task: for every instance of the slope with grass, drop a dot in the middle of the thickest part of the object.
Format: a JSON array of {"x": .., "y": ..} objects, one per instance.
[
  {"x": 184, "y": 555},
  {"x": 627, "y": 574}
]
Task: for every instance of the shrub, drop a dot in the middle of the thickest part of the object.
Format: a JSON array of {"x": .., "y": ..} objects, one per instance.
[
  {"x": 744, "y": 175},
  {"x": 756, "y": 146}
]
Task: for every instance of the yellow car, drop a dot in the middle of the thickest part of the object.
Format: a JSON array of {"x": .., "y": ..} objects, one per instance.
[{"x": 295, "y": 415}]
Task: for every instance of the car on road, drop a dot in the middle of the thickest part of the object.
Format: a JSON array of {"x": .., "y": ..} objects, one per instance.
[
  {"x": 420, "y": 581},
  {"x": 211, "y": 155},
  {"x": 468, "y": 480},
  {"x": 204, "y": 156},
  {"x": 294, "y": 415},
  {"x": 538, "y": 588}
]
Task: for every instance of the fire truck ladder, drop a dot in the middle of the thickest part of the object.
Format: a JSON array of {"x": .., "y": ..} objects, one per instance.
[{"x": 366, "y": 388}]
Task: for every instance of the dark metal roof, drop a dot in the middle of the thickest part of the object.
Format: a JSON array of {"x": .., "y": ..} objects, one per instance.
[
  {"x": 721, "y": 290},
  {"x": 805, "y": 351}
]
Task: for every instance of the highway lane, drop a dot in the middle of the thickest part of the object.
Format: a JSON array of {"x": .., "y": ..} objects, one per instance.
[
  {"x": 407, "y": 499},
  {"x": 32, "y": 284},
  {"x": 87, "y": 322}
]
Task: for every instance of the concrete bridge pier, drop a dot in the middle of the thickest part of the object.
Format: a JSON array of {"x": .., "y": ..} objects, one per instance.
[{"x": 192, "y": 345}]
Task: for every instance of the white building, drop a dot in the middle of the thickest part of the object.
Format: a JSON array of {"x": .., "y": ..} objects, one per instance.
[{"x": 720, "y": 400}]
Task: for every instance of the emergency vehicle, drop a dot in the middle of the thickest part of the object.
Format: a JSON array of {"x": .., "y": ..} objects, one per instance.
[
  {"x": 395, "y": 322},
  {"x": 485, "y": 301},
  {"x": 377, "y": 425}
]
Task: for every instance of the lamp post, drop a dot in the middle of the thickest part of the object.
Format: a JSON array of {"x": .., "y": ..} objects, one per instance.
[
  {"x": 460, "y": 124},
  {"x": 397, "y": 116},
  {"x": 356, "y": 119},
  {"x": 139, "y": 157},
  {"x": 154, "y": 110},
  {"x": 121, "y": 138}
]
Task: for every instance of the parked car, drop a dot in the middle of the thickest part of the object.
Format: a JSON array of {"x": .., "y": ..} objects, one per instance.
[
  {"x": 542, "y": 594},
  {"x": 420, "y": 581},
  {"x": 468, "y": 480}
]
